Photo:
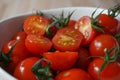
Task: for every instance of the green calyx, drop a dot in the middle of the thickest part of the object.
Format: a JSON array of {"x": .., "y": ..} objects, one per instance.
[
  {"x": 95, "y": 21},
  {"x": 114, "y": 11},
  {"x": 6, "y": 58},
  {"x": 42, "y": 72},
  {"x": 108, "y": 59},
  {"x": 60, "y": 22},
  {"x": 117, "y": 36}
]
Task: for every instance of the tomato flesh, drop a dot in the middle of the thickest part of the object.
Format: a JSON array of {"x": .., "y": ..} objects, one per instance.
[
  {"x": 85, "y": 27},
  {"x": 36, "y": 24},
  {"x": 37, "y": 44},
  {"x": 67, "y": 39}
]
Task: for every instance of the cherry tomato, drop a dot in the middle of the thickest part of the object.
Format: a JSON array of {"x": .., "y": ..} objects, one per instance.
[
  {"x": 101, "y": 42},
  {"x": 35, "y": 24},
  {"x": 23, "y": 70},
  {"x": 73, "y": 74},
  {"x": 61, "y": 60},
  {"x": 19, "y": 36},
  {"x": 67, "y": 39},
  {"x": 85, "y": 27},
  {"x": 37, "y": 44},
  {"x": 72, "y": 23},
  {"x": 111, "y": 24},
  {"x": 83, "y": 59},
  {"x": 110, "y": 72},
  {"x": 19, "y": 53}
]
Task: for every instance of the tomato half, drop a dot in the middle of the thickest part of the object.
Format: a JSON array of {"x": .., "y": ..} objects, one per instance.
[
  {"x": 35, "y": 24},
  {"x": 85, "y": 27},
  {"x": 67, "y": 39},
  {"x": 101, "y": 42},
  {"x": 73, "y": 74},
  {"x": 61, "y": 60},
  {"x": 23, "y": 70},
  {"x": 37, "y": 44},
  {"x": 111, "y": 24},
  {"x": 110, "y": 72}
]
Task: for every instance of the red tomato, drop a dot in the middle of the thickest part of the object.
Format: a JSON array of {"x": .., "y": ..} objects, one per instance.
[
  {"x": 19, "y": 53},
  {"x": 61, "y": 60},
  {"x": 19, "y": 36},
  {"x": 72, "y": 23},
  {"x": 37, "y": 44},
  {"x": 111, "y": 24},
  {"x": 110, "y": 72},
  {"x": 35, "y": 24},
  {"x": 101, "y": 42},
  {"x": 67, "y": 39},
  {"x": 83, "y": 59},
  {"x": 23, "y": 70},
  {"x": 85, "y": 27},
  {"x": 73, "y": 74}
]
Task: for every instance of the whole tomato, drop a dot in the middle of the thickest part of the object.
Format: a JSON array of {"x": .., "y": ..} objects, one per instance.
[
  {"x": 83, "y": 59},
  {"x": 101, "y": 42},
  {"x": 18, "y": 54},
  {"x": 111, "y": 24},
  {"x": 110, "y": 72},
  {"x": 23, "y": 71}
]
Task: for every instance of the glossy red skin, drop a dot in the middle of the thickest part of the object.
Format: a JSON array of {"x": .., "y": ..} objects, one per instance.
[
  {"x": 111, "y": 24},
  {"x": 67, "y": 39},
  {"x": 73, "y": 74},
  {"x": 61, "y": 60},
  {"x": 85, "y": 27},
  {"x": 83, "y": 59},
  {"x": 19, "y": 53},
  {"x": 101, "y": 42},
  {"x": 23, "y": 69},
  {"x": 37, "y": 44},
  {"x": 35, "y": 24},
  {"x": 110, "y": 72},
  {"x": 72, "y": 23},
  {"x": 19, "y": 36}
]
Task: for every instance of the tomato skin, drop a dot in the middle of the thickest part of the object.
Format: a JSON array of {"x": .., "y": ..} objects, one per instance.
[
  {"x": 73, "y": 74},
  {"x": 35, "y": 24},
  {"x": 83, "y": 59},
  {"x": 111, "y": 24},
  {"x": 110, "y": 72},
  {"x": 72, "y": 23},
  {"x": 61, "y": 60},
  {"x": 19, "y": 36},
  {"x": 85, "y": 27},
  {"x": 67, "y": 39},
  {"x": 37, "y": 44},
  {"x": 19, "y": 53},
  {"x": 101, "y": 42},
  {"x": 23, "y": 69}
]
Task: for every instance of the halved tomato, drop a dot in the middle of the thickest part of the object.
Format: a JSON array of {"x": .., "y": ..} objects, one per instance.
[
  {"x": 67, "y": 39},
  {"x": 37, "y": 44},
  {"x": 35, "y": 24},
  {"x": 85, "y": 27},
  {"x": 61, "y": 60}
]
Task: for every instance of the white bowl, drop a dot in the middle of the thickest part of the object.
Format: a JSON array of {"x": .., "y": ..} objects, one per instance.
[{"x": 10, "y": 26}]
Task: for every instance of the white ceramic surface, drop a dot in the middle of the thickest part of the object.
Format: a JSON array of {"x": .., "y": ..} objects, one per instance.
[{"x": 8, "y": 27}]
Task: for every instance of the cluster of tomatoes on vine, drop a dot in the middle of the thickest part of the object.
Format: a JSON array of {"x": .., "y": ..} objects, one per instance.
[{"x": 65, "y": 49}]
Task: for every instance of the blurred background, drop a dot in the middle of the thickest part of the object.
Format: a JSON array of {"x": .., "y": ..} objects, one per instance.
[{"x": 10, "y": 8}]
